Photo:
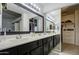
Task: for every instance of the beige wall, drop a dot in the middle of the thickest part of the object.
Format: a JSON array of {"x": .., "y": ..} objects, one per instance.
[{"x": 77, "y": 26}]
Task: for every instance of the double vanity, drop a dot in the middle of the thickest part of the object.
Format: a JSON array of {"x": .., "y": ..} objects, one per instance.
[{"x": 28, "y": 44}]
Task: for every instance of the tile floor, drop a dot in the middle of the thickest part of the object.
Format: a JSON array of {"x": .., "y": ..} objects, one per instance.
[{"x": 68, "y": 49}]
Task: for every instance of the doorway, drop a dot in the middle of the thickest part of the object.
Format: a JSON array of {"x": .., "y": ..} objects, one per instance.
[{"x": 69, "y": 29}]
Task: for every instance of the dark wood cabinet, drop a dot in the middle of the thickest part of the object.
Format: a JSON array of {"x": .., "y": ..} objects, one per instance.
[
  {"x": 56, "y": 39},
  {"x": 10, "y": 51},
  {"x": 26, "y": 48},
  {"x": 23, "y": 49},
  {"x": 39, "y": 47},
  {"x": 54, "y": 42},
  {"x": 51, "y": 44},
  {"x": 37, "y": 51},
  {"x": 46, "y": 49},
  {"x": 48, "y": 45}
]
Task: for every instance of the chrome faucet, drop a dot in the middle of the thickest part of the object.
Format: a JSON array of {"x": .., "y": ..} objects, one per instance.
[{"x": 18, "y": 37}]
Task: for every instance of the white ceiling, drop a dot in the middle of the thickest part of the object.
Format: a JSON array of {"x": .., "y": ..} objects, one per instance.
[
  {"x": 48, "y": 7},
  {"x": 45, "y": 7}
]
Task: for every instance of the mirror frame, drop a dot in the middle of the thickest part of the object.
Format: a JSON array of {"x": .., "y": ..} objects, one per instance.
[{"x": 25, "y": 32}]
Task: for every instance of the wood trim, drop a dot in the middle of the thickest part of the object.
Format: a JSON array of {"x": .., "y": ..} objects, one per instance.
[{"x": 13, "y": 33}]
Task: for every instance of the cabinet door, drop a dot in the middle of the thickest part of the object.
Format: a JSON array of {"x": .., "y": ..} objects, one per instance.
[
  {"x": 39, "y": 43},
  {"x": 26, "y": 48},
  {"x": 46, "y": 48},
  {"x": 58, "y": 38},
  {"x": 48, "y": 44},
  {"x": 51, "y": 44},
  {"x": 55, "y": 41},
  {"x": 52, "y": 41},
  {"x": 23, "y": 49},
  {"x": 45, "y": 40},
  {"x": 37, "y": 51}
]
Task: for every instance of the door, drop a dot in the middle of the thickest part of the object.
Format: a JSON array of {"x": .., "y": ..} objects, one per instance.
[{"x": 68, "y": 29}]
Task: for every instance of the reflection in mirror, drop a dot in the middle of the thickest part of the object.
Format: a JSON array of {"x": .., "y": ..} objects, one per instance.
[
  {"x": 53, "y": 21},
  {"x": 18, "y": 19},
  {"x": 50, "y": 26},
  {"x": 10, "y": 20},
  {"x": 36, "y": 24}
]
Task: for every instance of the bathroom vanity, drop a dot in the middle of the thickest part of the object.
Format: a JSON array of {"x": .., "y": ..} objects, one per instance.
[
  {"x": 31, "y": 44},
  {"x": 27, "y": 32}
]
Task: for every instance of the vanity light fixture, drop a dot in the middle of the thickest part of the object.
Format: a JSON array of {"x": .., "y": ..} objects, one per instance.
[{"x": 33, "y": 5}]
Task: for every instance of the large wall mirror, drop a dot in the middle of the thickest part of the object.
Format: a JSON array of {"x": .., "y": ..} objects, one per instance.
[
  {"x": 53, "y": 21},
  {"x": 20, "y": 20},
  {"x": 50, "y": 26}
]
